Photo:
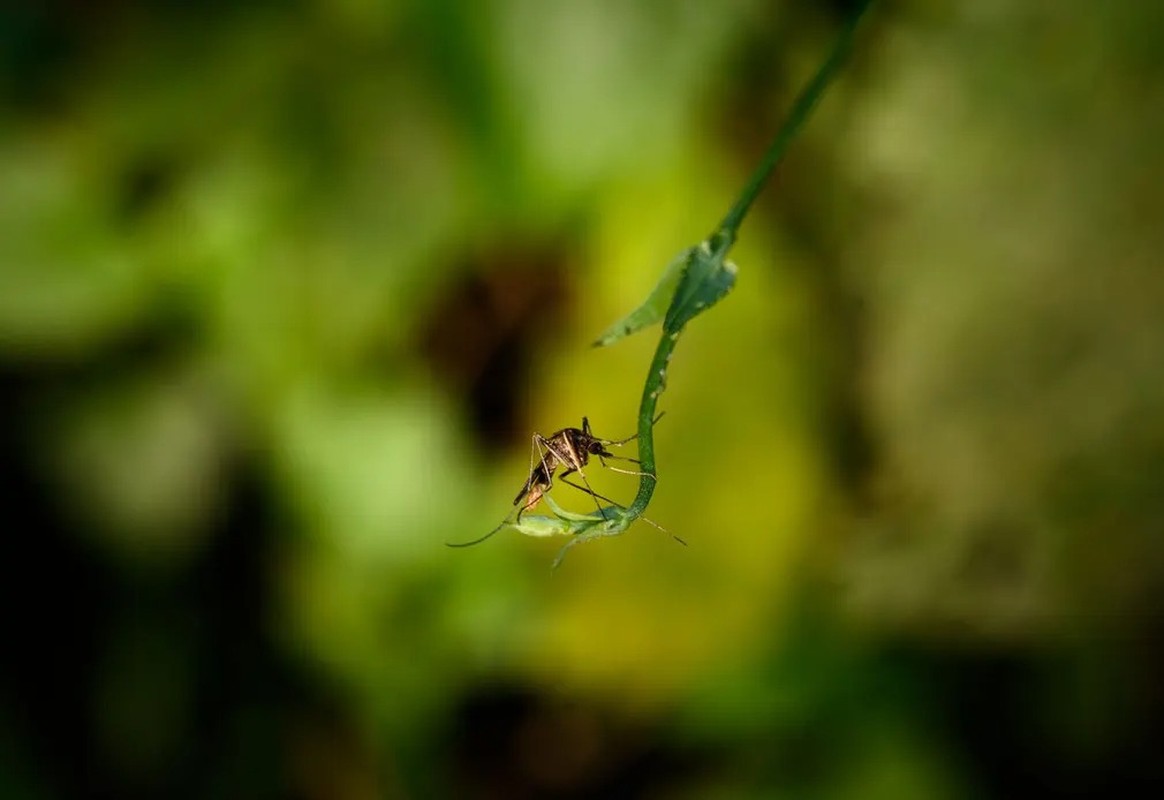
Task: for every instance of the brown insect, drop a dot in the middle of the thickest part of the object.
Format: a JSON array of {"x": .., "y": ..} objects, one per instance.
[{"x": 570, "y": 448}]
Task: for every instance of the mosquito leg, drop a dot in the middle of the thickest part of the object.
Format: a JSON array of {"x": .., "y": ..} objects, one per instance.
[
  {"x": 529, "y": 481},
  {"x": 654, "y": 524},
  {"x": 551, "y": 456},
  {"x": 598, "y": 533},
  {"x": 541, "y": 477},
  {"x": 588, "y": 490},
  {"x": 629, "y": 471},
  {"x": 647, "y": 520},
  {"x": 602, "y": 460},
  {"x": 595, "y": 494}
]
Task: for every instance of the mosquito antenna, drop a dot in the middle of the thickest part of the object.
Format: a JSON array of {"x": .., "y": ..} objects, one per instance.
[{"x": 588, "y": 490}]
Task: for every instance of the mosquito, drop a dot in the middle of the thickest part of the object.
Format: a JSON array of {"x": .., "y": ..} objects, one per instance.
[{"x": 571, "y": 448}]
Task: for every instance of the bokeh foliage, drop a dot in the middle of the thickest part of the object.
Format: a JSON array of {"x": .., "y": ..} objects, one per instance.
[{"x": 285, "y": 288}]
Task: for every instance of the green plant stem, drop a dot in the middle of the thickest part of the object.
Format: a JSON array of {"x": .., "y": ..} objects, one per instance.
[
  {"x": 721, "y": 241},
  {"x": 654, "y": 387},
  {"x": 725, "y": 235}
]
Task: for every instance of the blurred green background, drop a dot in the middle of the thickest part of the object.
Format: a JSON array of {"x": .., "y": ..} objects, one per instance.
[{"x": 285, "y": 288}]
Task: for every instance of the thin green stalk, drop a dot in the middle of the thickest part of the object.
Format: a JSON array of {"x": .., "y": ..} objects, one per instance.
[
  {"x": 651, "y": 391},
  {"x": 725, "y": 235},
  {"x": 716, "y": 250}
]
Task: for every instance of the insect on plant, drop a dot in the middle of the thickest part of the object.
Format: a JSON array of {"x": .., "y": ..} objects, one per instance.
[
  {"x": 571, "y": 448},
  {"x": 563, "y": 523},
  {"x": 697, "y": 279}
]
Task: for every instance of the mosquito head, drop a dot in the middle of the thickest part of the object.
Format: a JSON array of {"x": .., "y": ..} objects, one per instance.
[{"x": 595, "y": 448}]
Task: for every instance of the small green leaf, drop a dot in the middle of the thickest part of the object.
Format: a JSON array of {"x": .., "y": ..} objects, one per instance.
[
  {"x": 707, "y": 279},
  {"x": 541, "y": 526},
  {"x": 654, "y": 307}
]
